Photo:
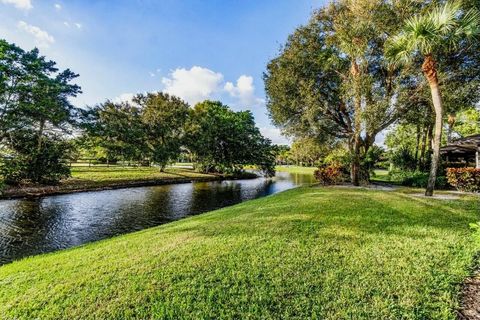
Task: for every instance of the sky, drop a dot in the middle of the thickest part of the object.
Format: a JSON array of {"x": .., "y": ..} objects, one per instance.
[{"x": 195, "y": 49}]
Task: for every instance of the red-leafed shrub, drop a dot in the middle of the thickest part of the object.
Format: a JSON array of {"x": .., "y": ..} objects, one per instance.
[
  {"x": 464, "y": 179},
  {"x": 329, "y": 174}
]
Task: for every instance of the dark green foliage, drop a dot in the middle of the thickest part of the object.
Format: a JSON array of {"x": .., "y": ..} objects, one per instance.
[
  {"x": 224, "y": 141},
  {"x": 416, "y": 179},
  {"x": 403, "y": 159},
  {"x": 163, "y": 118},
  {"x": 28, "y": 164},
  {"x": 374, "y": 156},
  {"x": 118, "y": 129},
  {"x": 34, "y": 110},
  {"x": 282, "y": 154}
]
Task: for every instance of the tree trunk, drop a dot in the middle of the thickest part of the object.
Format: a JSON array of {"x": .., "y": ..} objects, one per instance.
[
  {"x": 355, "y": 174},
  {"x": 417, "y": 145},
  {"x": 429, "y": 69},
  {"x": 421, "y": 162}
]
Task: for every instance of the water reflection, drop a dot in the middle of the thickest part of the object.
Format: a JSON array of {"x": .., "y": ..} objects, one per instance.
[{"x": 29, "y": 227}]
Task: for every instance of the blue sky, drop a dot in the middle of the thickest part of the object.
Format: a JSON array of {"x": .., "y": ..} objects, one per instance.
[{"x": 195, "y": 49}]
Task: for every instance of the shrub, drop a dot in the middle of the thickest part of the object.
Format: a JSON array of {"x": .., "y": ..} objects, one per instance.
[
  {"x": 339, "y": 156},
  {"x": 403, "y": 159},
  {"x": 464, "y": 179},
  {"x": 416, "y": 179},
  {"x": 329, "y": 174},
  {"x": 46, "y": 166}
]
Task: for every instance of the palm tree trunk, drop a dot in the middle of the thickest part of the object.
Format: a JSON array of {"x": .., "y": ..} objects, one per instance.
[
  {"x": 355, "y": 170},
  {"x": 429, "y": 69}
]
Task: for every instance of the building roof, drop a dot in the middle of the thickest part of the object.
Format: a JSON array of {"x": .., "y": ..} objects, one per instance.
[{"x": 468, "y": 144}]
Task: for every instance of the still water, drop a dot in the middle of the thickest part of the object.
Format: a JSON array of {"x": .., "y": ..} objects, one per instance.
[{"x": 29, "y": 227}]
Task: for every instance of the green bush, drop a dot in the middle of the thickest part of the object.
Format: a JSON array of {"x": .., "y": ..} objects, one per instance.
[
  {"x": 464, "y": 179},
  {"x": 416, "y": 179},
  {"x": 403, "y": 159},
  {"x": 44, "y": 166}
]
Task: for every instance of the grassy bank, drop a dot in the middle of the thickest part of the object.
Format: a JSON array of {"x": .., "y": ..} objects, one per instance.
[
  {"x": 102, "y": 175},
  {"x": 331, "y": 253},
  {"x": 97, "y": 178},
  {"x": 296, "y": 169}
]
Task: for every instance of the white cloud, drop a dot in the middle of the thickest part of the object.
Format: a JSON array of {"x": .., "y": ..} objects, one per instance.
[
  {"x": 193, "y": 85},
  {"x": 244, "y": 90},
  {"x": 78, "y": 25},
  {"x": 58, "y": 6},
  {"x": 66, "y": 24},
  {"x": 42, "y": 38},
  {"x": 20, "y": 4},
  {"x": 124, "y": 97},
  {"x": 151, "y": 74},
  {"x": 275, "y": 135}
]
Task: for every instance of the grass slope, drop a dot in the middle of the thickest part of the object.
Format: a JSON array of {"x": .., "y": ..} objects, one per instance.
[{"x": 330, "y": 253}]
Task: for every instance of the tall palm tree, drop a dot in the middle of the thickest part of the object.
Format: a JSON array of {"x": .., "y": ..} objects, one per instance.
[{"x": 440, "y": 30}]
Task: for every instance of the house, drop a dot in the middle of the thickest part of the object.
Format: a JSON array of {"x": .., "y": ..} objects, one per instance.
[{"x": 463, "y": 152}]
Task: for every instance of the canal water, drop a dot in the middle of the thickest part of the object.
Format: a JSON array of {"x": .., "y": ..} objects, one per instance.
[{"x": 32, "y": 226}]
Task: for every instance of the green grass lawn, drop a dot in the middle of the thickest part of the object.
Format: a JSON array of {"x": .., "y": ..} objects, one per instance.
[
  {"x": 381, "y": 175},
  {"x": 100, "y": 177},
  {"x": 330, "y": 253},
  {"x": 296, "y": 169},
  {"x": 103, "y": 174}
]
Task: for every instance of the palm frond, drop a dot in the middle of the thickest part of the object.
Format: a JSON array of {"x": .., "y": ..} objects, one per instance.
[
  {"x": 398, "y": 50},
  {"x": 443, "y": 27},
  {"x": 469, "y": 24},
  {"x": 445, "y": 19},
  {"x": 422, "y": 33}
]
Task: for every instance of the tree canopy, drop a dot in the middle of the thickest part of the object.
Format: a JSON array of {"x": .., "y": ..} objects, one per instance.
[
  {"x": 223, "y": 140},
  {"x": 34, "y": 106},
  {"x": 331, "y": 80}
]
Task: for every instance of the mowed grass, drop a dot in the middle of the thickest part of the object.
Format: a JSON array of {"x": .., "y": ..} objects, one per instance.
[
  {"x": 85, "y": 178},
  {"x": 324, "y": 253},
  {"x": 105, "y": 174},
  {"x": 296, "y": 169}
]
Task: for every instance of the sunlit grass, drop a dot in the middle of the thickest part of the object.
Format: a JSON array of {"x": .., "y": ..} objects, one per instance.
[
  {"x": 329, "y": 253},
  {"x": 103, "y": 174},
  {"x": 296, "y": 169}
]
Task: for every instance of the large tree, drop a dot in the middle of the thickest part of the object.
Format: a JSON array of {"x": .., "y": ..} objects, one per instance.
[
  {"x": 307, "y": 151},
  {"x": 34, "y": 106},
  {"x": 118, "y": 128},
  {"x": 224, "y": 141},
  {"x": 163, "y": 118},
  {"x": 34, "y": 93},
  {"x": 442, "y": 29},
  {"x": 331, "y": 80}
]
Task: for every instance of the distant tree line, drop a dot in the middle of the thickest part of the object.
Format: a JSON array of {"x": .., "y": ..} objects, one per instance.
[
  {"x": 157, "y": 128},
  {"x": 40, "y": 129}
]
